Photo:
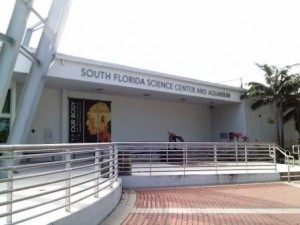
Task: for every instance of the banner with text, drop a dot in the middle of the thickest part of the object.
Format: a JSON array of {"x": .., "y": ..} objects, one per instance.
[{"x": 89, "y": 121}]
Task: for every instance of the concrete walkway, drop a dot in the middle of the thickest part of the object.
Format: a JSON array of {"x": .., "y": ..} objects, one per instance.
[{"x": 255, "y": 204}]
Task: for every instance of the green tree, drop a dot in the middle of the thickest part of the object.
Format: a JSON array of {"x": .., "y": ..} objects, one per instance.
[
  {"x": 292, "y": 108},
  {"x": 279, "y": 86}
]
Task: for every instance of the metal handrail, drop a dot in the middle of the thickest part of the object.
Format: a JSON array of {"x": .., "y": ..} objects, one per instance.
[
  {"x": 287, "y": 159},
  {"x": 194, "y": 158},
  {"x": 84, "y": 170},
  {"x": 286, "y": 153},
  {"x": 69, "y": 179}
]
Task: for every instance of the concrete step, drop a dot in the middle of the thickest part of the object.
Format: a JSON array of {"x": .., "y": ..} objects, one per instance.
[{"x": 293, "y": 176}]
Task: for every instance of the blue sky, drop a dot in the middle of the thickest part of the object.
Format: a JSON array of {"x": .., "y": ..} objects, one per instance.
[{"x": 216, "y": 40}]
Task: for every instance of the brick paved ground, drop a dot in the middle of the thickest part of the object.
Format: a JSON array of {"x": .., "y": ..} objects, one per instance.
[{"x": 263, "y": 204}]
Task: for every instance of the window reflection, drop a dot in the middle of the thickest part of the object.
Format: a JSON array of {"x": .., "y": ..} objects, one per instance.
[{"x": 6, "y": 107}]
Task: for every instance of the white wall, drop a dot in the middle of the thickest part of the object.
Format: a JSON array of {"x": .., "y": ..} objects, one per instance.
[
  {"x": 142, "y": 119},
  {"x": 133, "y": 119},
  {"x": 96, "y": 211},
  {"x": 259, "y": 124},
  {"x": 227, "y": 118},
  {"x": 150, "y": 120},
  {"x": 156, "y": 181},
  {"x": 47, "y": 119},
  {"x": 290, "y": 135}
]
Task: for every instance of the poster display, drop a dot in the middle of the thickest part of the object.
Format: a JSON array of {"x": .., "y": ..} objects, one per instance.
[{"x": 89, "y": 121}]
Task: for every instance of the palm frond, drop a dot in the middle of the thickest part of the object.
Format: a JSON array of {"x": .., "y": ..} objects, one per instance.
[{"x": 260, "y": 103}]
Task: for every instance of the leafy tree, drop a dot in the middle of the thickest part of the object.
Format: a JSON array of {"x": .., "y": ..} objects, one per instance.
[
  {"x": 292, "y": 108},
  {"x": 280, "y": 85}
]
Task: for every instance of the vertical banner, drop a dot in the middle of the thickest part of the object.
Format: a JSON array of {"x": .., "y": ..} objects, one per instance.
[
  {"x": 97, "y": 121},
  {"x": 76, "y": 121}
]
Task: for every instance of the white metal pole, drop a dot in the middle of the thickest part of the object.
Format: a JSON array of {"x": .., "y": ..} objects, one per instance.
[
  {"x": 9, "y": 51},
  {"x": 68, "y": 182},
  {"x": 97, "y": 173},
  {"x": 10, "y": 187},
  {"x": 45, "y": 53},
  {"x": 111, "y": 163}
]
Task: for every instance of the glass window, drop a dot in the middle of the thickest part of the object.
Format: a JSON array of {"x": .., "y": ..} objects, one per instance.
[
  {"x": 4, "y": 129},
  {"x": 6, "y": 107}
]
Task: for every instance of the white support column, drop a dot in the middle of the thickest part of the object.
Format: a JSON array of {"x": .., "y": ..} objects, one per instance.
[
  {"x": 13, "y": 105},
  {"x": 34, "y": 85},
  {"x": 33, "y": 89},
  {"x": 9, "y": 51}
]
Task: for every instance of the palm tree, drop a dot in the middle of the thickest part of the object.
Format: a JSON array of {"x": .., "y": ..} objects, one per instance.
[
  {"x": 279, "y": 85},
  {"x": 292, "y": 108}
]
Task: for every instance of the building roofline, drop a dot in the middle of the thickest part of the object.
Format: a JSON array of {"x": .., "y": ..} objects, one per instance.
[{"x": 143, "y": 71}]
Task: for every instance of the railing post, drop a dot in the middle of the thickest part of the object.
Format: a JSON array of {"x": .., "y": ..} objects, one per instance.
[
  {"x": 121, "y": 162},
  {"x": 150, "y": 161},
  {"x": 186, "y": 155},
  {"x": 275, "y": 157},
  {"x": 68, "y": 181},
  {"x": 97, "y": 172},
  {"x": 216, "y": 158},
  {"x": 111, "y": 163},
  {"x": 167, "y": 156},
  {"x": 116, "y": 166},
  {"x": 288, "y": 163},
  {"x": 184, "y": 158},
  {"x": 298, "y": 153},
  {"x": 246, "y": 157},
  {"x": 236, "y": 152},
  {"x": 289, "y": 172},
  {"x": 10, "y": 186}
]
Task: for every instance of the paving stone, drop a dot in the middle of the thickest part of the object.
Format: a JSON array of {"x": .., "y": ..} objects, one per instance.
[{"x": 255, "y": 204}]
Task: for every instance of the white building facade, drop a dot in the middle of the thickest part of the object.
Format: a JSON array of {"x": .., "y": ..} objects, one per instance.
[{"x": 136, "y": 105}]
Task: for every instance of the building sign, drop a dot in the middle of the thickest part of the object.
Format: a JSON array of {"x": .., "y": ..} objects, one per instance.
[
  {"x": 75, "y": 120},
  {"x": 158, "y": 84},
  {"x": 89, "y": 121}
]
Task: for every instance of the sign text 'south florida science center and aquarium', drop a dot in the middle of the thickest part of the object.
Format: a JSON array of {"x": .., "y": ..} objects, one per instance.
[{"x": 154, "y": 83}]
